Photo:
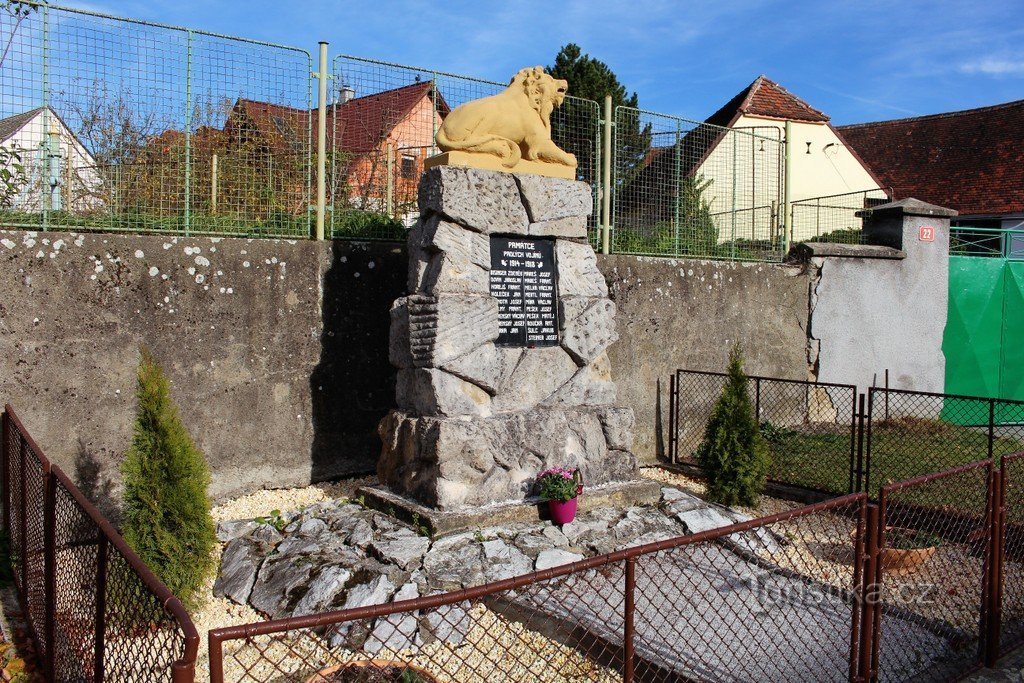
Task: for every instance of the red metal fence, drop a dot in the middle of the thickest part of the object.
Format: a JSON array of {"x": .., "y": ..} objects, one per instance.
[
  {"x": 95, "y": 612},
  {"x": 926, "y": 585}
]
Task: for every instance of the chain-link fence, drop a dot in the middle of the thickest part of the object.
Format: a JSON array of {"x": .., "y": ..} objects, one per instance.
[
  {"x": 1009, "y": 576},
  {"x": 913, "y": 433},
  {"x": 771, "y": 599},
  {"x": 835, "y": 218},
  {"x": 808, "y": 427},
  {"x": 382, "y": 120},
  {"x": 95, "y": 612},
  {"x": 688, "y": 188},
  {"x": 933, "y": 571},
  {"x": 120, "y": 124}
]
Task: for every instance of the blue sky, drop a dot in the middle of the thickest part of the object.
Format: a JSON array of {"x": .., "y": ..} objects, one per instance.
[{"x": 857, "y": 61}]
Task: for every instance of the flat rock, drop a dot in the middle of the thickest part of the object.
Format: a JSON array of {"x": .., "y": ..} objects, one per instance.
[
  {"x": 589, "y": 386},
  {"x": 323, "y": 589},
  {"x": 447, "y": 274},
  {"x": 449, "y": 623},
  {"x": 395, "y": 632},
  {"x": 453, "y": 239},
  {"x": 276, "y": 580},
  {"x": 229, "y": 531},
  {"x": 447, "y": 326},
  {"x": 406, "y": 551},
  {"x": 456, "y": 568},
  {"x": 361, "y": 534},
  {"x": 703, "y": 519},
  {"x": 617, "y": 424},
  {"x": 296, "y": 545},
  {"x": 555, "y": 558},
  {"x": 503, "y": 561},
  {"x": 238, "y": 568},
  {"x": 484, "y": 201}
]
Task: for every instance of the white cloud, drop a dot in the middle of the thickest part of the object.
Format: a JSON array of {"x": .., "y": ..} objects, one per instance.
[{"x": 994, "y": 66}]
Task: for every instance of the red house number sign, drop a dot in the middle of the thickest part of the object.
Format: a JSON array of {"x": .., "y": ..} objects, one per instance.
[{"x": 926, "y": 233}]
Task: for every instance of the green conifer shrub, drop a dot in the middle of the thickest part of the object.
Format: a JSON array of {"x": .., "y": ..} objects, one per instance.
[
  {"x": 166, "y": 517},
  {"x": 733, "y": 455}
]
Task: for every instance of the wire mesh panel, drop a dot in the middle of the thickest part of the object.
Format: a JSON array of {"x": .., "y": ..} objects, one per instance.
[
  {"x": 76, "y": 582},
  {"x": 127, "y": 125},
  {"x": 1011, "y": 633},
  {"x": 808, "y": 427},
  {"x": 564, "y": 628},
  {"x": 85, "y": 592},
  {"x": 833, "y": 218},
  {"x": 382, "y": 119},
  {"x": 933, "y": 564},
  {"x": 687, "y": 188},
  {"x": 914, "y": 433},
  {"x": 775, "y": 600}
]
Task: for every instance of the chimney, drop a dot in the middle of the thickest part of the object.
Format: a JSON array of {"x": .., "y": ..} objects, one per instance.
[{"x": 346, "y": 93}]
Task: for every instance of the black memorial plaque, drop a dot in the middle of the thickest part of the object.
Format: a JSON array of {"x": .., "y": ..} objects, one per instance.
[{"x": 524, "y": 280}]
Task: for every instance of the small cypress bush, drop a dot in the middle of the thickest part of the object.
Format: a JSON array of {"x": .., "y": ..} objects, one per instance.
[
  {"x": 733, "y": 455},
  {"x": 166, "y": 517}
]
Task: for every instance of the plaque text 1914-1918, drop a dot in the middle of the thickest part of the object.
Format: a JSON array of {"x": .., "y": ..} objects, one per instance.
[{"x": 524, "y": 281}]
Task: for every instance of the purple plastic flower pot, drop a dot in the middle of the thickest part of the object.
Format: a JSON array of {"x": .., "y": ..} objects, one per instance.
[{"x": 562, "y": 513}]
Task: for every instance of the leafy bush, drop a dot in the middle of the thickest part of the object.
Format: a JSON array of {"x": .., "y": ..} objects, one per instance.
[
  {"x": 166, "y": 509},
  {"x": 352, "y": 224},
  {"x": 733, "y": 455}
]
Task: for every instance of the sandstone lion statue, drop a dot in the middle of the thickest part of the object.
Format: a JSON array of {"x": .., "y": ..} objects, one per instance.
[{"x": 512, "y": 125}]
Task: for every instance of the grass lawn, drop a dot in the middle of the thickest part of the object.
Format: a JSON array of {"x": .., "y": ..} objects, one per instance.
[{"x": 818, "y": 457}]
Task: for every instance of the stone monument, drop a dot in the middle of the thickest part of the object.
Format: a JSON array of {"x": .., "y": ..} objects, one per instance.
[{"x": 501, "y": 344}]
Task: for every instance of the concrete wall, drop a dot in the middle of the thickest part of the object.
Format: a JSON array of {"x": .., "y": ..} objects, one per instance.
[
  {"x": 872, "y": 314},
  {"x": 275, "y": 389},
  {"x": 280, "y": 390},
  {"x": 687, "y": 314}
]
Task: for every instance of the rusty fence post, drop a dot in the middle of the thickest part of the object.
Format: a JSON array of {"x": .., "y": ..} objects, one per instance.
[
  {"x": 49, "y": 571},
  {"x": 868, "y": 596},
  {"x": 673, "y": 389},
  {"x": 101, "y": 605},
  {"x": 993, "y": 614},
  {"x": 5, "y": 475},
  {"x": 216, "y": 647},
  {"x": 23, "y": 526},
  {"x": 628, "y": 626},
  {"x": 858, "y": 416}
]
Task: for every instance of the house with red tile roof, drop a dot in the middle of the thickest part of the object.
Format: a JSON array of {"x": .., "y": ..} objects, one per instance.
[
  {"x": 737, "y": 157},
  {"x": 377, "y": 143},
  {"x": 971, "y": 161}
]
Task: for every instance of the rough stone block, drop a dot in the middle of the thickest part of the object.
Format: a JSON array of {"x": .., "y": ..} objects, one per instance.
[
  {"x": 539, "y": 374},
  {"x": 570, "y": 227},
  {"x": 549, "y": 199},
  {"x": 578, "y": 274},
  {"x": 429, "y": 391},
  {"x": 618, "y": 427},
  {"x": 453, "y": 239},
  {"x": 590, "y": 386},
  {"x": 398, "y": 339},
  {"x": 485, "y": 201},
  {"x": 446, "y": 274},
  {"x": 447, "y": 326},
  {"x": 480, "y": 366},
  {"x": 588, "y": 332}
]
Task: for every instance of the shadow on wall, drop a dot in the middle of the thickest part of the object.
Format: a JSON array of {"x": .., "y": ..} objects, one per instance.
[
  {"x": 353, "y": 385},
  {"x": 96, "y": 483}
]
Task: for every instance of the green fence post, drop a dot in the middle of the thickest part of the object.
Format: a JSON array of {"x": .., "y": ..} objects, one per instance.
[
  {"x": 679, "y": 192},
  {"x": 606, "y": 180},
  {"x": 45, "y": 147},
  {"x": 321, "y": 142},
  {"x": 188, "y": 130}
]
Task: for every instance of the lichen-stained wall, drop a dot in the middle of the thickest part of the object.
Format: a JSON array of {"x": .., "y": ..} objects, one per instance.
[
  {"x": 280, "y": 390},
  {"x": 237, "y": 325},
  {"x": 687, "y": 314}
]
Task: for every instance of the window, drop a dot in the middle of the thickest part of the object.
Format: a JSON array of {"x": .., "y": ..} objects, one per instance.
[{"x": 408, "y": 166}]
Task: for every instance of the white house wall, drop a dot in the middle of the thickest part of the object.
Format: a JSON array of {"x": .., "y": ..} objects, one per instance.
[
  {"x": 80, "y": 181},
  {"x": 829, "y": 169}
]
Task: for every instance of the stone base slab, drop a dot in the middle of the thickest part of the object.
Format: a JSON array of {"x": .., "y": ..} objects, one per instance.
[
  {"x": 614, "y": 495},
  {"x": 490, "y": 162}
]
